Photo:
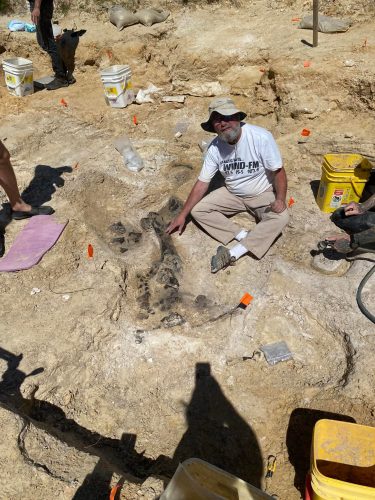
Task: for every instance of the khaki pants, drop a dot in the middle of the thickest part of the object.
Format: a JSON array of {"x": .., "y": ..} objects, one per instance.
[{"x": 212, "y": 211}]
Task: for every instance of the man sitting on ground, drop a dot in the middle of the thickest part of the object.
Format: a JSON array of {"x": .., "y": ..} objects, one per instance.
[
  {"x": 255, "y": 181},
  {"x": 359, "y": 225},
  {"x": 20, "y": 209}
]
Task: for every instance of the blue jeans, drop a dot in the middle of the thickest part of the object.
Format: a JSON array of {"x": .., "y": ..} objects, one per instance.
[{"x": 45, "y": 38}]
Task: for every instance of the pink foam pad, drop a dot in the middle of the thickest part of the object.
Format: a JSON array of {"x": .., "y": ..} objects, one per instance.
[{"x": 35, "y": 239}]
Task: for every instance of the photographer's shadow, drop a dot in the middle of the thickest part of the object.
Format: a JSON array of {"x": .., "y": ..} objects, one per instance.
[{"x": 217, "y": 433}]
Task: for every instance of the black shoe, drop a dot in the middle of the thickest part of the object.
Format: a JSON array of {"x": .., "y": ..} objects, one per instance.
[
  {"x": 71, "y": 80},
  {"x": 57, "y": 83},
  {"x": 18, "y": 215},
  {"x": 2, "y": 243}
]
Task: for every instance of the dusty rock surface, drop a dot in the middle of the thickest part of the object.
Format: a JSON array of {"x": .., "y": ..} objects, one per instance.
[{"x": 129, "y": 362}]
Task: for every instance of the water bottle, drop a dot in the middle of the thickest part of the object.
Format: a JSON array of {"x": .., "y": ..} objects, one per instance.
[{"x": 131, "y": 158}]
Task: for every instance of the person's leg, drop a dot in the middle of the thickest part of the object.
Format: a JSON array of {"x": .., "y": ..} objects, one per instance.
[
  {"x": 46, "y": 40},
  {"x": 353, "y": 223},
  {"x": 9, "y": 183},
  {"x": 212, "y": 211},
  {"x": 269, "y": 227},
  {"x": 361, "y": 227}
]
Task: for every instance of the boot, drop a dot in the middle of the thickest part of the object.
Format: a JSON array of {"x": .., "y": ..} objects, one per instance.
[{"x": 57, "y": 83}]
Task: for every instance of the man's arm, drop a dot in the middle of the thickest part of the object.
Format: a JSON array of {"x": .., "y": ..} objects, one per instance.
[
  {"x": 196, "y": 194},
  {"x": 360, "y": 208},
  {"x": 35, "y": 14},
  {"x": 280, "y": 184}
]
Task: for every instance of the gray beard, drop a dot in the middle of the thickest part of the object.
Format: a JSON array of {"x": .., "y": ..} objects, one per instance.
[{"x": 230, "y": 136}]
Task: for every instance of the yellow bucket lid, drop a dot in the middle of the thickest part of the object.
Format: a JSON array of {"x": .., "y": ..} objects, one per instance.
[{"x": 346, "y": 161}]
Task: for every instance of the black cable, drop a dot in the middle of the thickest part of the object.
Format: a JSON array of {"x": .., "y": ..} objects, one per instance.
[{"x": 360, "y": 303}]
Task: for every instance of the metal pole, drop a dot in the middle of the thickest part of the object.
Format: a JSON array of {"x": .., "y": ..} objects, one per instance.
[{"x": 315, "y": 22}]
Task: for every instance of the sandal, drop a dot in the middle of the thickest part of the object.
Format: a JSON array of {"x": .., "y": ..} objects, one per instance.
[{"x": 18, "y": 215}]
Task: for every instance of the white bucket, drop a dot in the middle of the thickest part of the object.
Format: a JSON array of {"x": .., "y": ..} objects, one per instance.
[
  {"x": 19, "y": 76},
  {"x": 118, "y": 89}
]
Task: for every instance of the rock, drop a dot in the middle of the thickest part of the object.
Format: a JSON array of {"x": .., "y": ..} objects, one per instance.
[
  {"x": 199, "y": 89},
  {"x": 201, "y": 301},
  {"x": 296, "y": 113},
  {"x": 173, "y": 319},
  {"x": 173, "y": 98},
  {"x": 330, "y": 262},
  {"x": 152, "y": 488},
  {"x": 241, "y": 80}
]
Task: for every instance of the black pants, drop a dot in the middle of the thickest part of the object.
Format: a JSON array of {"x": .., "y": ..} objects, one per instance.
[
  {"x": 45, "y": 38},
  {"x": 362, "y": 227}
]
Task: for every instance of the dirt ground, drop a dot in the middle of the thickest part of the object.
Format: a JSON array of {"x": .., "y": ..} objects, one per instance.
[{"x": 126, "y": 364}]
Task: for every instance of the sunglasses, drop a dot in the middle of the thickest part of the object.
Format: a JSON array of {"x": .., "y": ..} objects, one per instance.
[{"x": 217, "y": 117}]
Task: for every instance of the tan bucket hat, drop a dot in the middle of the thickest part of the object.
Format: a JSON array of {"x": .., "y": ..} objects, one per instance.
[{"x": 224, "y": 106}]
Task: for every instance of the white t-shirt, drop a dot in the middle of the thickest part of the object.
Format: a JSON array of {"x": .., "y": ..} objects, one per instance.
[{"x": 247, "y": 166}]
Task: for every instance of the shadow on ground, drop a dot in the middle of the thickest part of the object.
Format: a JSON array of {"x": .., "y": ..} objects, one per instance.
[
  {"x": 45, "y": 182},
  {"x": 216, "y": 433},
  {"x": 299, "y": 439}
]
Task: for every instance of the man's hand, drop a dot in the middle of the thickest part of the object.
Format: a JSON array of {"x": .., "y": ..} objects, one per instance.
[
  {"x": 341, "y": 243},
  {"x": 178, "y": 222},
  {"x": 353, "y": 209},
  {"x": 35, "y": 15},
  {"x": 278, "y": 206}
]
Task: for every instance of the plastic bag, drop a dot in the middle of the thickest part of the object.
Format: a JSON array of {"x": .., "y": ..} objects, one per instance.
[
  {"x": 326, "y": 24},
  {"x": 144, "y": 95},
  {"x": 57, "y": 31},
  {"x": 148, "y": 17},
  {"x": 16, "y": 25},
  {"x": 30, "y": 27},
  {"x": 121, "y": 17}
]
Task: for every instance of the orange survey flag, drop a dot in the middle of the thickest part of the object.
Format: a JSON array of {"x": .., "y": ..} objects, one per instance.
[{"x": 90, "y": 251}]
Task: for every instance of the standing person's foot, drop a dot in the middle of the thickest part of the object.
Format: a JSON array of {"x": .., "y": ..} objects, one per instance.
[
  {"x": 222, "y": 259},
  {"x": 71, "y": 80},
  {"x": 57, "y": 83},
  {"x": 25, "y": 214}
]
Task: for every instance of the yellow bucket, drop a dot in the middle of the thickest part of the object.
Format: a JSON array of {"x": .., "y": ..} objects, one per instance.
[
  {"x": 343, "y": 178},
  {"x": 343, "y": 461}
]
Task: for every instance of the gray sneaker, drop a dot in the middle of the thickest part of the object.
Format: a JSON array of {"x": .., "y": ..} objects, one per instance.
[{"x": 221, "y": 260}]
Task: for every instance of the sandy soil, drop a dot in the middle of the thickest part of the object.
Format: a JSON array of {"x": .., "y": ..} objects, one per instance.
[{"x": 127, "y": 363}]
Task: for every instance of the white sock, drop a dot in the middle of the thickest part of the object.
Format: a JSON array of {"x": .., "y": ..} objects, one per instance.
[
  {"x": 241, "y": 235},
  {"x": 238, "y": 251}
]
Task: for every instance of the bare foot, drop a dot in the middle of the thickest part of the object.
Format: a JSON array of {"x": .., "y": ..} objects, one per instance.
[{"x": 21, "y": 206}]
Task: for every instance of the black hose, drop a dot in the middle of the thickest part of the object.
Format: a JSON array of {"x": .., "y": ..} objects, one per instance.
[{"x": 361, "y": 305}]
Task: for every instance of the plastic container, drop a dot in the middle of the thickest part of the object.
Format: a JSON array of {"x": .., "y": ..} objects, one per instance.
[
  {"x": 57, "y": 31},
  {"x": 19, "y": 76},
  {"x": 343, "y": 461},
  {"x": 117, "y": 84},
  {"x": 195, "y": 479},
  {"x": 131, "y": 158},
  {"x": 343, "y": 178}
]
